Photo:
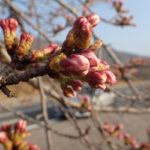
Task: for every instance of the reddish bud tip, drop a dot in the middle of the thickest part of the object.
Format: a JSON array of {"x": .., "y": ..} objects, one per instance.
[
  {"x": 93, "y": 19},
  {"x": 21, "y": 126}
]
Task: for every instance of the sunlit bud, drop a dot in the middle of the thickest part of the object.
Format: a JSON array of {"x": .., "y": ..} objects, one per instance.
[
  {"x": 82, "y": 33},
  {"x": 75, "y": 64},
  {"x": 97, "y": 79},
  {"x": 54, "y": 62},
  {"x": 111, "y": 78},
  {"x": 93, "y": 19},
  {"x": 9, "y": 27},
  {"x": 94, "y": 61},
  {"x": 21, "y": 126},
  {"x": 3, "y": 137},
  {"x": 68, "y": 90},
  {"x": 77, "y": 85},
  {"x": 97, "y": 45},
  {"x": 79, "y": 23},
  {"x": 25, "y": 44},
  {"x": 103, "y": 65},
  {"x": 38, "y": 55}
]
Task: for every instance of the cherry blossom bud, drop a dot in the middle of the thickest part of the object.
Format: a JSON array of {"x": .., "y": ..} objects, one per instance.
[
  {"x": 75, "y": 64},
  {"x": 82, "y": 33},
  {"x": 9, "y": 27},
  {"x": 25, "y": 44},
  {"x": 68, "y": 90},
  {"x": 93, "y": 19},
  {"x": 21, "y": 126},
  {"x": 43, "y": 53},
  {"x": 77, "y": 85},
  {"x": 111, "y": 78},
  {"x": 97, "y": 79},
  {"x": 94, "y": 61},
  {"x": 3, "y": 137}
]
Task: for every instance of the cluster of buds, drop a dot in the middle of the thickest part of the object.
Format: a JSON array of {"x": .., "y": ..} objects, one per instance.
[
  {"x": 20, "y": 50},
  {"x": 127, "y": 139},
  {"x": 79, "y": 37},
  {"x": 72, "y": 65},
  {"x": 78, "y": 63},
  {"x": 12, "y": 137}
]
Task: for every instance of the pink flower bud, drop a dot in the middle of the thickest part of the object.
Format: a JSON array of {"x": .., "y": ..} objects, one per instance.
[
  {"x": 111, "y": 78},
  {"x": 94, "y": 61},
  {"x": 75, "y": 64},
  {"x": 21, "y": 126},
  {"x": 9, "y": 27},
  {"x": 43, "y": 53},
  {"x": 97, "y": 79},
  {"x": 79, "y": 23},
  {"x": 93, "y": 19},
  {"x": 13, "y": 24},
  {"x": 26, "y": 40},
  {"x": 77, "y": 85},
  {"x": 3, "y": 137},
  {"x": 82, "y": 33},
  {"x": 68, "y": 90}
]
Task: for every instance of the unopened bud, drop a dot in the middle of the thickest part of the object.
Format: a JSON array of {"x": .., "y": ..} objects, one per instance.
[
  {"x": 75, "y": 64},
  {"x": 21, "y": 126},
  {"x": 9, "y": 27},
  {"x": 94, "y": 61},
  {"x": 93, "y": 19},
  {"x": 25, "y": 44},
  {"x": 111, "y": 78},
  {"x": 97, "y": 79},
  {"x": 44, "y": 53}
]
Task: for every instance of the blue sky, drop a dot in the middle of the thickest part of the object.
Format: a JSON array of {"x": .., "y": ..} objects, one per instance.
[{"x": 130, "y": 39}]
